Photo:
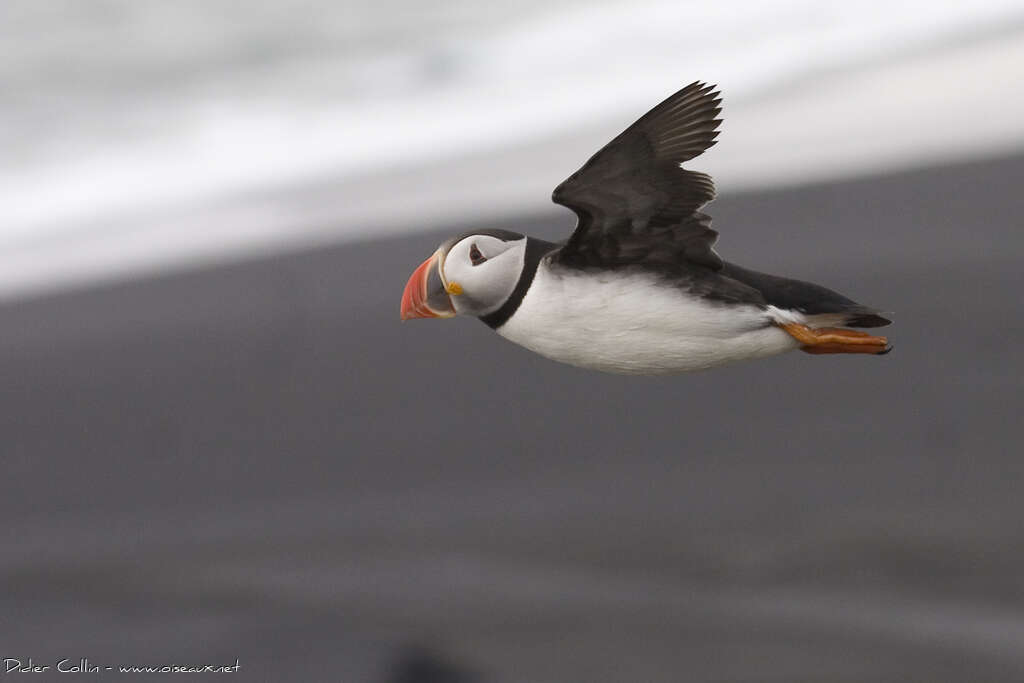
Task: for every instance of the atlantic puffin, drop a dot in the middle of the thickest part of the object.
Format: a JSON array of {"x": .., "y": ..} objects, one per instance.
[{"x": 638, "y": 287}]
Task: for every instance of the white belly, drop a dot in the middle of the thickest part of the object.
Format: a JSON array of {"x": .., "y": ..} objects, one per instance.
[{"x": 631, "y": 324}]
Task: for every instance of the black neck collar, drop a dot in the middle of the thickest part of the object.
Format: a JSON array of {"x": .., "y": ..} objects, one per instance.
[{"x": 535, "y": 251}]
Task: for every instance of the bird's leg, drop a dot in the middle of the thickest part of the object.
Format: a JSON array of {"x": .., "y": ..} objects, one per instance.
[{"x": 836, "y": 340}]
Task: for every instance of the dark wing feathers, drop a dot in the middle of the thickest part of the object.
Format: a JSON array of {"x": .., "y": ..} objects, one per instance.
[
  {"x": 637, "y": 207},
  {"x": 634, "y": 202}
]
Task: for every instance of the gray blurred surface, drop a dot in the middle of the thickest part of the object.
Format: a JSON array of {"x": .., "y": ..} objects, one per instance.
[{"x": 260, "y": 462}]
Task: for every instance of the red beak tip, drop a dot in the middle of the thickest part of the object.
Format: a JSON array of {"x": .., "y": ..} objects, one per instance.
[{"x": 415, "y": 296}]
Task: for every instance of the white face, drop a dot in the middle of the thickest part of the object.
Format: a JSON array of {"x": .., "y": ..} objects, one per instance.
[{"x": 486, "y": 270}]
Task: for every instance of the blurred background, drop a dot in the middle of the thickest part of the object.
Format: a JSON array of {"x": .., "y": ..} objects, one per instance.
[{"x": 219, "y": 443}]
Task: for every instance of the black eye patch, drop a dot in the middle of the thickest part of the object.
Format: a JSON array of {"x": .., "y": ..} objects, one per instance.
[{"x": 475, "y": 257}]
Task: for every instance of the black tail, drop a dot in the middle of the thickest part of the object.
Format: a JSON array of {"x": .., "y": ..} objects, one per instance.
[
  {"x": 865, "y": 317},
  {"x": 806, "y": 297}
]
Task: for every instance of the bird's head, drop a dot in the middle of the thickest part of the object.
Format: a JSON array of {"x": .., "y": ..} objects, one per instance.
[{"x": 471, "y": 274}]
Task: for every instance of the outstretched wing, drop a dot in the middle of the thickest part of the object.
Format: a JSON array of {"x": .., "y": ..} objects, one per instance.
[{"x": 634, "y": 202}]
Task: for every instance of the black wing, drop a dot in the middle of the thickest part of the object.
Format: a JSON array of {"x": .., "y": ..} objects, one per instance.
[{"x": 634, "y": 203}]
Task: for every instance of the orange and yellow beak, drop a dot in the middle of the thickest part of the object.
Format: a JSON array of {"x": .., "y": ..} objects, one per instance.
[{"x": 426, "y": 295}]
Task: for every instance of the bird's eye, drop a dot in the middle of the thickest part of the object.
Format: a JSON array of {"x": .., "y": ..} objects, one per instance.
[{"x": 475, "y": 257}]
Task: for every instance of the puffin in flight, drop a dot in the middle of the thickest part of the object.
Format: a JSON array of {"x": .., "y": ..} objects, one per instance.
[{"x": 637, "y": 288}]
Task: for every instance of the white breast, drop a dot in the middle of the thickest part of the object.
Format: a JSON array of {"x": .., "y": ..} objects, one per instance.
[{"x": 633, "y": 324}]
